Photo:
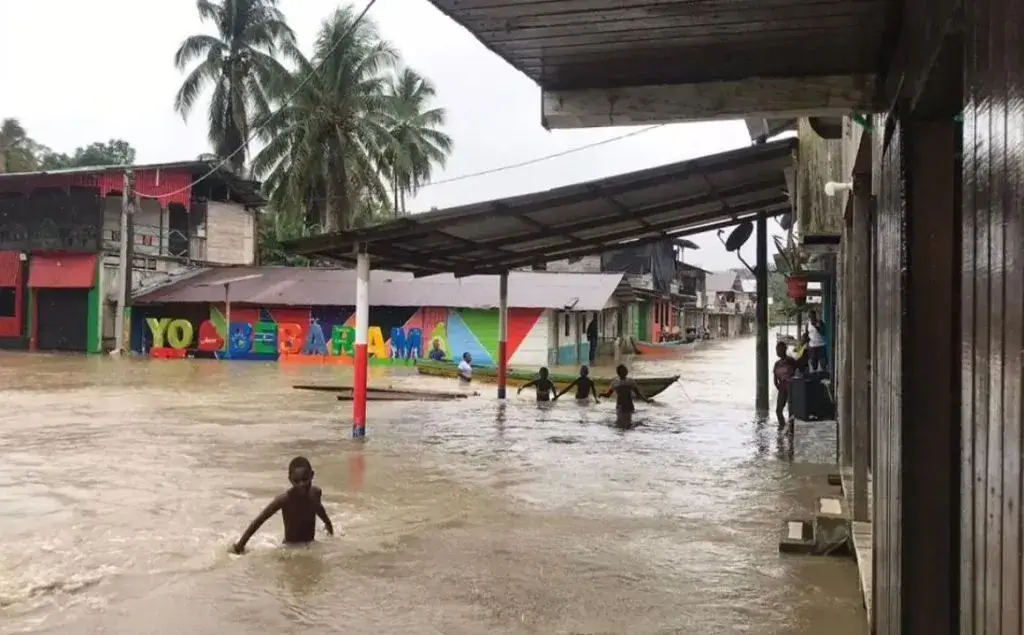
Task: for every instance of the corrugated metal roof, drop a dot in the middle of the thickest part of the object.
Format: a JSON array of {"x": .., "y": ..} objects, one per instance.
[
  {"x": 576, "y": 220},
  {"x": 293, "y": 286},
  {"x": 246, "y": 191},
  {"x": 579, "y": 44},
  {"x": 718, "y": 282}
]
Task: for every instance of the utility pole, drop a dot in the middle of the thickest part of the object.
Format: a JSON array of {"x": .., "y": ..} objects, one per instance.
[
  {"x": 761, "y": 398},
  {"x": 124, "y": 260}
]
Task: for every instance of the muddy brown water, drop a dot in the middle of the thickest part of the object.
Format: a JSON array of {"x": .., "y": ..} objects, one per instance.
[{"x": 123, "y": 483}]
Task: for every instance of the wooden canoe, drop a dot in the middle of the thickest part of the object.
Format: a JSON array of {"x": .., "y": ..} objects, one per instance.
[
  {"x": 649, "y": 386},
  {"x": 386, "y": 394},
  {"x": 664, "y": 349}
]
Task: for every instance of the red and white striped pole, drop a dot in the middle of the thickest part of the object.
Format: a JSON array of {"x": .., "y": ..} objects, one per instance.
[
  {"x": 362, "y": 337},
  {"x": 502, "y": 333}
]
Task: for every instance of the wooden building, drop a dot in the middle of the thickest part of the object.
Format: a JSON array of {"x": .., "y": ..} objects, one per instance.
[
  {"x": 932, "y": 239},
  {"x": 60, "y": 237}
]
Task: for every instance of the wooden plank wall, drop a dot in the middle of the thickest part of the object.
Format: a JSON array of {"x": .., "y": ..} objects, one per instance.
[
  {"x": 887, "y": 374},
  {"x": 992, "y": 304}
]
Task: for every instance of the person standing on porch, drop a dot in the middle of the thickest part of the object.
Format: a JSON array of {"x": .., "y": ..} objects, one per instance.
[
  {"x": 816, "y": 342},
  {"x": 592, "y": 338}
]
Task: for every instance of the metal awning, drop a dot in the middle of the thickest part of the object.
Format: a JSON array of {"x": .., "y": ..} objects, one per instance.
[{"x": 576, "y": 220}]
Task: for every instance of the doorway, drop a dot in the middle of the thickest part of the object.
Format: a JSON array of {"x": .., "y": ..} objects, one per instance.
[{"x": 62, "y": 320}]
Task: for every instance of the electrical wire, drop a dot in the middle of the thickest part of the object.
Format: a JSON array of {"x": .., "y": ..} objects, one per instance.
[
  {"x": 556, "y": 155},
  {"x": 305, "y": 80}
]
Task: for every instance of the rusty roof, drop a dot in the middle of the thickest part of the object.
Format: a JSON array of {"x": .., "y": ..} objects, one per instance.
[
  {"x": 575, "y": 44},
  {"x": 576, "y": 220},
  {"x": 246, "y": 191},
  {"x": 297, "y": 286}
]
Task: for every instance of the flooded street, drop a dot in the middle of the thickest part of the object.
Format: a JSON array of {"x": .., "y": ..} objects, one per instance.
[{"x": 123, "y": 484}]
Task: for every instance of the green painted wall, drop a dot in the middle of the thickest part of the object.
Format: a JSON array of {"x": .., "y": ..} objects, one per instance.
[
  {"x": 644, "y": 326},
  {"x": 632, "y": 326},
  {"x": 94, "y": 330},
  {"x": 484, "y": 324}
]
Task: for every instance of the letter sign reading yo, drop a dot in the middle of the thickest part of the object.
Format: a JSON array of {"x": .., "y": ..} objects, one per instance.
[{"x": 179, "y": 334}]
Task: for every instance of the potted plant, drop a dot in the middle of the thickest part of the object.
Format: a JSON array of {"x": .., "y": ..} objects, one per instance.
[{"x": 789, "y": 261}]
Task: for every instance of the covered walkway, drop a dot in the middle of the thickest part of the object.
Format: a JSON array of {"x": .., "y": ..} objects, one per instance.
[
  {"x": 931, "y": 316},
  {"x": 577, "y": 220}
]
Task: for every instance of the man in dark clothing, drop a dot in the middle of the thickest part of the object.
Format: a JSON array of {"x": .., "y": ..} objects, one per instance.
[{"x": 592, "y": 338}]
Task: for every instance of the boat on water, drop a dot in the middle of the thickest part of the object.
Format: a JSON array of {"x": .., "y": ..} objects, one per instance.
[
  {"x": 663, "y": 349},
  {"x": 649, "y": 386}
]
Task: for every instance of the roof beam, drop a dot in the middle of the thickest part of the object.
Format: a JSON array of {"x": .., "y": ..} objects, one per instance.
[
  {"x": 765, "y": 97},
  {"x": 738, "y": 191},
  {"x": 547, "y": 254}
]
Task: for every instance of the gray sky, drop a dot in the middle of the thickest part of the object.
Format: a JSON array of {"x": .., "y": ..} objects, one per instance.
[{"x": 103, "y": 69}]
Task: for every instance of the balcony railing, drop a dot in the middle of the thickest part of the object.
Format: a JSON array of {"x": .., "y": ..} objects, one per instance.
[{"x": 148, "y": 241}]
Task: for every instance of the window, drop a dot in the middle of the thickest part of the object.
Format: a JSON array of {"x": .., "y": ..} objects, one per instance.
[
  {"x": 567, "y": 324},
  {"x": 8, "y": 302}
]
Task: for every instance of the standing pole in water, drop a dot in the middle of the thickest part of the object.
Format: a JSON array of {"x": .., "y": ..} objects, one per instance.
[
  {"x": 761, "y": 268},
  {"x": 362, "y": 337},
  {"x": 502, "y": 332},
  {"x": 123, "y": 264}
]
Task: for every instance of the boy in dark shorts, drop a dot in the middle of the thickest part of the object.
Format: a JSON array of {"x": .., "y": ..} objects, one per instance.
[
  {"x": 299, "y": 506},
  {"x": 782, "y": 374},
  {"x": 624, "y": 389},
  {"x": 544, "y": 385},
  {"x": 584, "y": 386}
]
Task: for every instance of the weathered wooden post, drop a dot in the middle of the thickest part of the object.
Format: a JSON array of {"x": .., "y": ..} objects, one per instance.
[
  {"x": 860, "y": 349},
  {"x": 761, "y": 402}
]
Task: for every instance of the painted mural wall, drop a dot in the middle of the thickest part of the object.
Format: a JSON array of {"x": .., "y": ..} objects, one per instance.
[{"x": 327, "y": 334}]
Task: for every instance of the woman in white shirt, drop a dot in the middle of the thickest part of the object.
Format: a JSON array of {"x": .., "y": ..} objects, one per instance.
[
  {"x": 816, "y": 342},
  {"x": 465, "y": 368}
]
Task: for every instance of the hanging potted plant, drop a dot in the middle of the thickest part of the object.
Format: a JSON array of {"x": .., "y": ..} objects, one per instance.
[{"x": 789, "y": 261}]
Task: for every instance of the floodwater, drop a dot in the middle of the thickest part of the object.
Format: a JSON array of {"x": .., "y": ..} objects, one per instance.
[{"x": 124, "y": 482}]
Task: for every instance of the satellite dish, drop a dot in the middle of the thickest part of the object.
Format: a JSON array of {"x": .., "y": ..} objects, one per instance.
[
  {"x": 687, "y": 244},
  {"x": 786, "y": 220},
  {"x": 739, "y": 236}
]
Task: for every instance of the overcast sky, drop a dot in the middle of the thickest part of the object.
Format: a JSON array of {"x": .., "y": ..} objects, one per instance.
[{"x": 77, "y": 72}]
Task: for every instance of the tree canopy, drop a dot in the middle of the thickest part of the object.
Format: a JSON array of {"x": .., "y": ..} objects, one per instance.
[{"x": 21, "y": 153}]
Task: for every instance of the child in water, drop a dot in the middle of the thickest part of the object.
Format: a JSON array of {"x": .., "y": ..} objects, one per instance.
[
  {"x": 584, "y": 386},
  {"x": 544, "y": 385},
  {"x": 624, "y": 389},
  {"x": 783, "y": 372},
  {"x": 299, "y": 506}
]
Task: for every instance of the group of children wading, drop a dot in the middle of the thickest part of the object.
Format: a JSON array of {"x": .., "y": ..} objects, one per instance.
[{"x": 622, "y": 387}]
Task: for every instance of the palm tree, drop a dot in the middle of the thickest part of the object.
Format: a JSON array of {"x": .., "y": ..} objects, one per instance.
[
  {"x": 15, "y": 148},
  {"x": 239, "y": 63},
  {"x": 419, "y": 145},
  {"x": 326, "y": 147}
]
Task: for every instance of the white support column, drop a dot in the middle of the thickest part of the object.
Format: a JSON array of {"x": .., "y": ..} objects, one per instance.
[{"x": 362, "y": 338}]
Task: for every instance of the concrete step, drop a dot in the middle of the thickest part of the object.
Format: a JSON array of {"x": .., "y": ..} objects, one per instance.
[
  {"x": 831, "y": 524},
  {"x": 798, "y": 537}
]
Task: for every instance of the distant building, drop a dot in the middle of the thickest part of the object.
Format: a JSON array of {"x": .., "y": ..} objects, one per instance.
[
  {"x": 730, "y": 303},
  {"x": 298, "y": 315},
  {"x": 662, "y": 296},
  {"x": 60, "y": 235}
]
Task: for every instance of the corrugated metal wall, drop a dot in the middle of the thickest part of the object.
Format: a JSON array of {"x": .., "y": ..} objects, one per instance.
[
  {"x": 887, "y": 374},
  {"x": 992, "y": 285}
]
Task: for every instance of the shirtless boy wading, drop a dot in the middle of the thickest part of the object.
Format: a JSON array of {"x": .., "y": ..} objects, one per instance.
[{"x": 299, "y": 506}]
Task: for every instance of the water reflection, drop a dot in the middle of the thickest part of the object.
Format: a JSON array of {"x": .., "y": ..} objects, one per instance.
[{"x": 122, "y": 484}]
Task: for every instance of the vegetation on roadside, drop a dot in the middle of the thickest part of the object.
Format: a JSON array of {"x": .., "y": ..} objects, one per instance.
[
  {"x": 341, "y": 137},
  {"x": 345, "y": 134},
  {"x": 21, "y": 153}
]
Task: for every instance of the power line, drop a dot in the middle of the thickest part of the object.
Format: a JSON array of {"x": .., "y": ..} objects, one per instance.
[
  {"x": 521, "y": 164},
  {"x": 305, "y": 80}
]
